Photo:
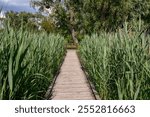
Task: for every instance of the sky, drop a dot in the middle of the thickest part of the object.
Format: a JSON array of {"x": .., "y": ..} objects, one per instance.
[{"x": 16, "y": 5}]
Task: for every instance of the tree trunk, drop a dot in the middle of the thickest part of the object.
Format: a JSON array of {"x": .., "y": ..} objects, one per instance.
[
  {"x": 73, "y": 36},
  {"x": 72, "y": 17}
]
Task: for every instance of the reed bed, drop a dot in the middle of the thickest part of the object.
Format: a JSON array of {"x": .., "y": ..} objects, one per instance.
[
  {"x": 118, "y": 64},
  {"x": 28, "y": 63}
]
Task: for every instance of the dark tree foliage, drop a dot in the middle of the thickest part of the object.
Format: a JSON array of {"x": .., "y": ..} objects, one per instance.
[{"x": 80, "y": 17}]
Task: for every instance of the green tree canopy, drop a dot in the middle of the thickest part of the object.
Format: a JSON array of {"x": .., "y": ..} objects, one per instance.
[
  {"x": 23, "y": 19},
  {"x": 79, "y": 17}
]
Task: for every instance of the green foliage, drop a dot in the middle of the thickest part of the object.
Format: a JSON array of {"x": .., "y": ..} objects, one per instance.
[
  {"x": 88, "y": 16},
  {"x": 28, "y": 63},
  {"x": 22, "y": 19},
  {"x": 118, "y": 64},
  {"x": 48, "y": 25}
]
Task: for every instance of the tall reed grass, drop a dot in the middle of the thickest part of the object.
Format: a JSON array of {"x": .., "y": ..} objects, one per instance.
[
  {"x": 28, "y": 63},
  {"x": 118, "y": 64}
]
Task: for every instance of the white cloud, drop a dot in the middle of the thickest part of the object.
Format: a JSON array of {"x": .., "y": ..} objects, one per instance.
[
  {"x": 16, "y": 5},
  {"x": 2, "y": 15},
  {"x": 16, "y": 2},
  {"x": 5, "y": 0}
]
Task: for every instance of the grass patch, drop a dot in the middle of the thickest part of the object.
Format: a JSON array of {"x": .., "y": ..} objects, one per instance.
[
  {"x": 118, "y": 64},
  {"x": 28, "y": 63}
]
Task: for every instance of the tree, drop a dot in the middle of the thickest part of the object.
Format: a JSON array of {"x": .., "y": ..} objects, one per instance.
[
  {"x": 22, "y": 19},
  {"x": 80, "y": 17},
  {"x": 63, "y": 13},
  {"x": 48, "y": 25}
]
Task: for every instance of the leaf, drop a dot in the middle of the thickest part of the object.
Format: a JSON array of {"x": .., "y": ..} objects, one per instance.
[
  {"x": 137, "y": 92},
  {"x": 2, "y": 90},
  {"x": 10, "y": 71}
]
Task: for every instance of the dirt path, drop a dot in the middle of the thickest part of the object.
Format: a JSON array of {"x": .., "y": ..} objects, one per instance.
[{"x": 71, "y": 83}]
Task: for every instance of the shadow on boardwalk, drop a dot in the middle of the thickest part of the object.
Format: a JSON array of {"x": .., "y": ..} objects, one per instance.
[{"x": 71, "y": 83}]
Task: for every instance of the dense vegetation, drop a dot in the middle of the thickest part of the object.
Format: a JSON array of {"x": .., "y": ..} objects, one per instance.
[
  {"x": 113, "y": 38},
  {"x": 118, "y": 64},
  {"x": 75, "y": 18},
  {"x": 33, "y": 22},
  {"x": 28, "y": 63}
]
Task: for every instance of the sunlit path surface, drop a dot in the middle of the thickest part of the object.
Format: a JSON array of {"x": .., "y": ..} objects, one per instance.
[{"x": 71, "y": 83}]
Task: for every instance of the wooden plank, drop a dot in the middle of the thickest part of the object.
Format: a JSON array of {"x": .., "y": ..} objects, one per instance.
[{"x": 71, "y": 83}]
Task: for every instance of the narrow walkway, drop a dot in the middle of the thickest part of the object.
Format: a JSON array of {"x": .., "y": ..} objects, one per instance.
[{"x": 71, "y": 83}]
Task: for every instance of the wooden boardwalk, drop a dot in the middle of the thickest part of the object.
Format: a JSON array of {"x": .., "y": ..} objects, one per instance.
[{"x": 71, "y": 83}]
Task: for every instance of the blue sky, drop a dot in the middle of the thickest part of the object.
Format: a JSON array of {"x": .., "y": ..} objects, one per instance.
[{"x": 16, "y": 5}]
